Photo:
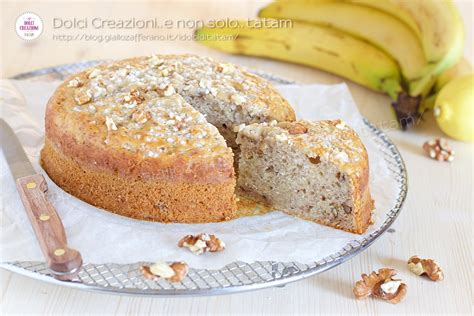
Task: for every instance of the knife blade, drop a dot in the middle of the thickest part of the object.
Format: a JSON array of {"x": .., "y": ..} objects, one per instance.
[
  {"x": 63, "y": 262},
  {"x": 14, "y": 153}
]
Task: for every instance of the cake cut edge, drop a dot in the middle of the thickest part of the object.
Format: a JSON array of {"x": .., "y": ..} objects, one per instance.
[{"x": 317, "y": 171}]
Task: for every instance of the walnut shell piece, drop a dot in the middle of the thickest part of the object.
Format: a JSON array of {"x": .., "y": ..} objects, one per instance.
[
  {"x": 381, "y": 285},
  {"x": 426, "y": 267},
  {"x": 201, "y": 243}
]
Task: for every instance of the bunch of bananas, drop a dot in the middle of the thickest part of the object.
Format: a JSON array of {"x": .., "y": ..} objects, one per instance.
[{"x": 398, "y": 47}]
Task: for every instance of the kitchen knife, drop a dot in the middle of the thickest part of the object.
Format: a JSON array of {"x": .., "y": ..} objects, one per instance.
[{"x": 63, "y": 262}]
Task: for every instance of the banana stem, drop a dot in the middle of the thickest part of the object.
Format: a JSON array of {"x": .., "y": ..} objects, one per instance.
[{"x": 407, "y": 109}]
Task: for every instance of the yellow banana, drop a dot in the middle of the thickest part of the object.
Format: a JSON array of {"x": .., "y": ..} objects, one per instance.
[
  {"x": 376, "y": 27},
  {"x": 316, "y": 46},
  {"x": 436, "y": 23},
  {"x": 440, "y": 31}
]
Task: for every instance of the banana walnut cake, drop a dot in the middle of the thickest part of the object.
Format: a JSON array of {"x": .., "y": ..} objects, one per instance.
[{"x": 156, "y": 138}]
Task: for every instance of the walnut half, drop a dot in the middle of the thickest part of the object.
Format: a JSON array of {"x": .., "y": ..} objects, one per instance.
[
  {"x": 426, "y": 267},
  {"x": 201, "y": 243},
  {"x": 382, "y": 285},
  {"x": 439, "y": 149}
]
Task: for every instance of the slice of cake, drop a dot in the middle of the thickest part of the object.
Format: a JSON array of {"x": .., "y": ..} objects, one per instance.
[{"x": 317, "y": 171}]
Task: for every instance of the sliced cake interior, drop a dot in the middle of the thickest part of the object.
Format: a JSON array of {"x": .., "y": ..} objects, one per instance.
[{"x": 314, "y": 170}]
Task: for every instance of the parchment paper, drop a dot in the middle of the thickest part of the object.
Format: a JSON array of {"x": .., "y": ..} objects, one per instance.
[{"x": 103, "y": 237}]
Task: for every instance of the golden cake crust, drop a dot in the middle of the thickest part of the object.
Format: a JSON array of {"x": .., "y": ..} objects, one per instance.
[{"x": 163, "y": 201}]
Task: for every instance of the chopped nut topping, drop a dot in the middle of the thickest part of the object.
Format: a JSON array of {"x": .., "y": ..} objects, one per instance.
[
  {"x": 320, "y": 139},
  {"x": 238, "y": 86},
  {"x": 224, "y": 68},
  {"x": 381, "y": 285},
  {"x": 341, "y": 156},
  {"x": 341, "y": 125},
  {"x": 281, "y": 137},
  {"x": 238, "y": 99},
  {"x": 238, "y": 128},
  {"x": 109, "y": 122},
  {"x": 91, "y": 108},
  {"x": 426, "y": 267},
  {"x": 74, "y": 83},
  {"x": 94, "y": 73},
  {"x": 134, "y": 96},
  {"x": 169, "y": 91},
  {"x": 155, "y": 61},
  {"x": 297, "y": 129},
  {"x": 198, "y": 244},
  {"x": 205, "y": 83},
  {"x": 174, "y": 272},
  {"x": 156, "y": 85},
  {"x": 439, "y": 149},
  {"x": 83, "y": 97},
  {"x": 140, "y": 116},
  {"x": 122, "y": 72}
]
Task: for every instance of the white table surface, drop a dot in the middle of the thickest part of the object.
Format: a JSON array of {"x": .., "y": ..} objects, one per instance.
[{"x": 436, "y": 221}]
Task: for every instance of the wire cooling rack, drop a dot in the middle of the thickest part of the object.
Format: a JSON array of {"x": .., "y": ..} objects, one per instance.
[{"x": 234, "y": 277}]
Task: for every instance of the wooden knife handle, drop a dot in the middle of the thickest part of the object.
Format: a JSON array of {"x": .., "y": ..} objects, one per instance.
[{"x": 63, "y": 262}]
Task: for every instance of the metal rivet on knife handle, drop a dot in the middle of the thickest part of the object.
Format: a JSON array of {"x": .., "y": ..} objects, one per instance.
[
  {"x": 44, "y": 217},
  {"x": 59, "y": 252},
  {"x": 31, "y": 185}
]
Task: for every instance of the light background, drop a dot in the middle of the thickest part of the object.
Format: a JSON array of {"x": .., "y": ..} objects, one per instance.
[{"x": 436, "y": 221}]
